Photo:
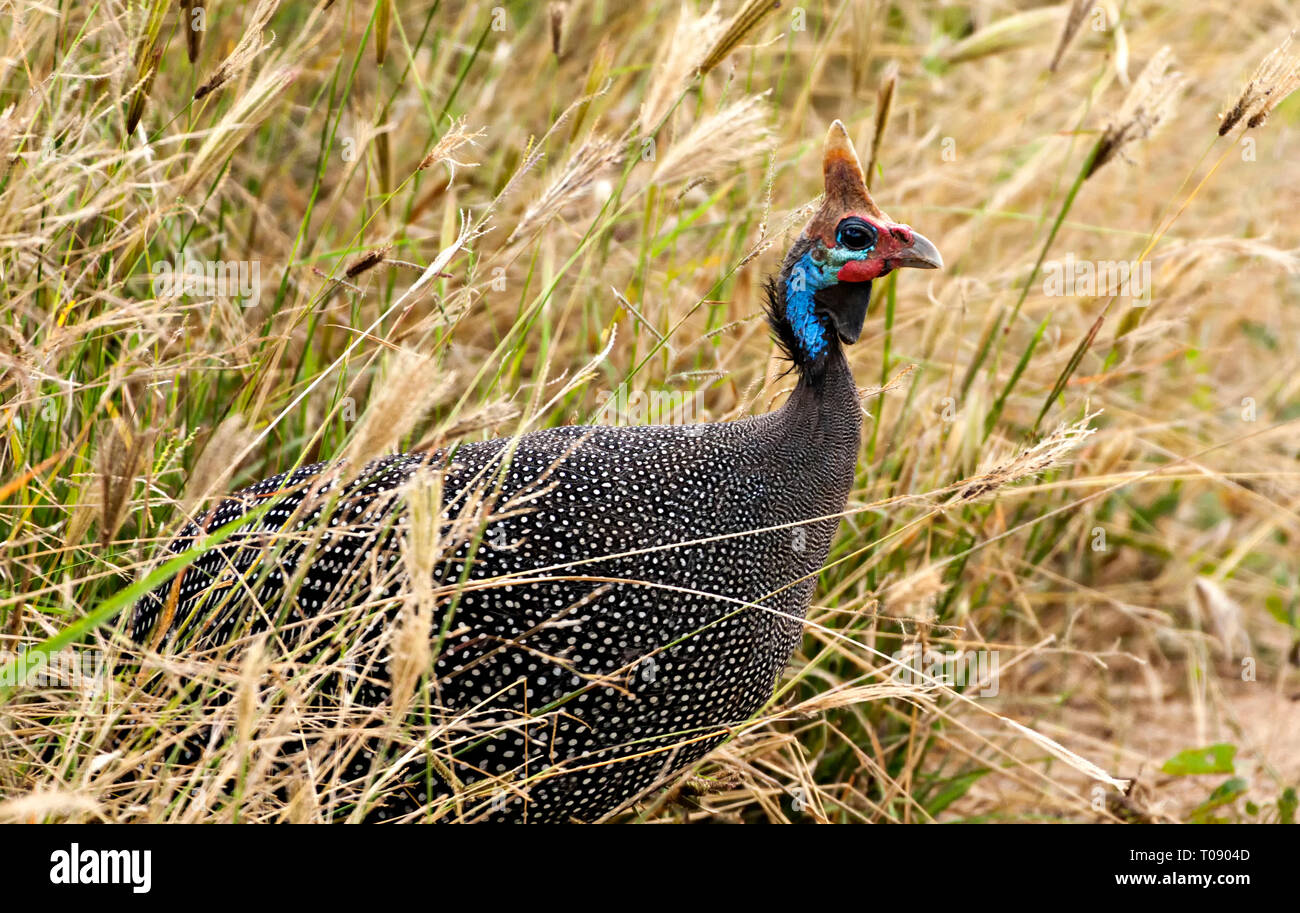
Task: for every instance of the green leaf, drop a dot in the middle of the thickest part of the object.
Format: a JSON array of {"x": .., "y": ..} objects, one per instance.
[
  {"x": 1278, "y": 609},
  {"x": 1286, "y": 806},
  {"x": 954, "y": 790},
  {"x": 1226, "y": 793},
  {"x": 1216, "y": 759}
]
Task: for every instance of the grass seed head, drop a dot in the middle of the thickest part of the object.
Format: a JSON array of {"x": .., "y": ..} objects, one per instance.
[
  {"x": 592, "y": 159},
  {"x": 1028, "y": 463},
  {"x": 249, "y": 46},
  {"x": 1148, "y": 105},
  {"x": 718, "y": 143},
  {"x": 1276, "y": 77},
  {"x": 555, "y": 14},
  {"x": 414, "y": 385},
  {"x": 217, "y": 462},
  {"x": 747, "y": 18},
  {"x": 367, "y": 261},
  {"x": 678, "y": 62}
]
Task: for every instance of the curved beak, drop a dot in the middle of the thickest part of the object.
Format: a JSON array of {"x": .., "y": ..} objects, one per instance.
[{"x": 921, "y": 254}]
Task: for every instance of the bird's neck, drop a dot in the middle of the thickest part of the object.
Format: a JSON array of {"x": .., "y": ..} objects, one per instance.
[
  {"x": 820, "y": 425},
  {"x": 825, "y": 407}
]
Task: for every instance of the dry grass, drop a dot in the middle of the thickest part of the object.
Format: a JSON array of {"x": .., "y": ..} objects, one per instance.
[{"x": 445, "y": 245}]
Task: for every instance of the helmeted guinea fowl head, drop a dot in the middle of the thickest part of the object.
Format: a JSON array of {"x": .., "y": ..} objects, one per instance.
[{"x": 820, "y": 299}]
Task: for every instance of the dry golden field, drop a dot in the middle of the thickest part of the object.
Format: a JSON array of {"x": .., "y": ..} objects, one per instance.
[{"x": 441, "y": 221}]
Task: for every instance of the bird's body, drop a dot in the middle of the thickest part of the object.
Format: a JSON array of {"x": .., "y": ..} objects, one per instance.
[
  {"x": 610, "y": 602},
  {"x": 656, "y": 653}
]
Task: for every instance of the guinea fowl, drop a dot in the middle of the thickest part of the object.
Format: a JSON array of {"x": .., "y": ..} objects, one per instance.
[{"x": 630, "y": 594}]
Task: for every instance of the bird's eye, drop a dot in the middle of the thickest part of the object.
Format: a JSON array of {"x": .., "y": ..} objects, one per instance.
[{"x": 855, "y": 234}]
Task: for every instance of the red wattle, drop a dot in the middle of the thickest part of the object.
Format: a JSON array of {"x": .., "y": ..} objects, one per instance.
[{"x": 859, "y": 270}]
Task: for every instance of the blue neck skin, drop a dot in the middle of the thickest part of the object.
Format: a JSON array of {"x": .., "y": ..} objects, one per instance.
[{"x": 805, "y": 279}]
